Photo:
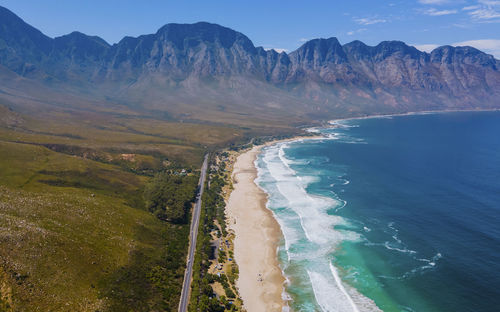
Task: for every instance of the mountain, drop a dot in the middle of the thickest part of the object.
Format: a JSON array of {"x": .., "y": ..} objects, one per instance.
[{"x": 204, "y": 71}]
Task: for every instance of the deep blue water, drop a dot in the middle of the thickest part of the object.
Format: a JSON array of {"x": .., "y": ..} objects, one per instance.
[{"x": 405, "y": 210}]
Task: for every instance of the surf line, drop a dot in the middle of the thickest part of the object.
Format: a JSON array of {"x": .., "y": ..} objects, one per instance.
[{"x": 342, "y": 289}]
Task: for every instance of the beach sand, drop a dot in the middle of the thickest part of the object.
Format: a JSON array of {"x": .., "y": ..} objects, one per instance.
[{"x": 257, "y": 235}]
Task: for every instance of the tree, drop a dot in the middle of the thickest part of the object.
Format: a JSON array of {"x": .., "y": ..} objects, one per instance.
[{"x": 169, "y": 196}]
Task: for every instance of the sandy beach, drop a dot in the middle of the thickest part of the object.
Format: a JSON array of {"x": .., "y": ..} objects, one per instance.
[{"x": 257, "y": 235}]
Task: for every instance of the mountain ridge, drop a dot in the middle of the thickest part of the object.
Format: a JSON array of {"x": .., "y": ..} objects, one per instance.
[{"x": 203, "y": 64}]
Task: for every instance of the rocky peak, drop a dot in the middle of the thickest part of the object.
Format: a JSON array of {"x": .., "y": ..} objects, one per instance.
[
  {"x": 80, "y": 46},
  {"x": 465, "y": 55},
  {"x": 78, "y": 38},
  {"x": 192, "y": 55},
  {"x": 318, "y": 52},
  {"x": 14, "y": 32},
  {"x": 185, "y": 36},
  {"x": 398, "y": 49},
  {"x": 21, "y": 45},
  {"x": 358, "y": 50}
]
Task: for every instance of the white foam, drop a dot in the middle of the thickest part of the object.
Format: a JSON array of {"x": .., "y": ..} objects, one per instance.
[
  {"x": 344, "y": 138},
  {"x": 333, "y": 296},
  {"x": 342, "y": 123},
  {"x": 403, "y": 250},
  {"x": 326, "y": 294},
  {"x": 298, "y": 162},
  {"x": 285, "y": 296},
  {"x": 431, "y": 264},
  {"x": 308, "y": 180},
  {"x": 303, "y": 216},
  {"x": 339, "y": 284},
  {"x": 290, "y": 235},
  {"x": 312, "y": 130},
  {"x": 389, "y": 246},
  {"x": 311, "y": 210}
]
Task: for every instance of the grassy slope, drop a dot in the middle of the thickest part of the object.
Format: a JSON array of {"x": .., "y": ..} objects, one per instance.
[
  {"x": 178, "y": 141},
  {"x": 74, "y": 234},
  {"x": 63, "y": 248}
]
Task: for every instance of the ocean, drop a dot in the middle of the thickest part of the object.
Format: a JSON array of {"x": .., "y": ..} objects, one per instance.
[{"x": 394, "y": 213}]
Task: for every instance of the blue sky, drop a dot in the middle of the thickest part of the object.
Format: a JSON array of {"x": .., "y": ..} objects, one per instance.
[{"x": 279, "y": 24}]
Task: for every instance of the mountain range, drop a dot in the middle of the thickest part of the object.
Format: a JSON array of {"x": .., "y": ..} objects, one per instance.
[{"x": 208, "y": 72}]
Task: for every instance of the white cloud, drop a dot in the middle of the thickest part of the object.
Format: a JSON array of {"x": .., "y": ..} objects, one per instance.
[
  {"x": 484, "y": 11},
  {"x": 276, "y": 49},
  {"x": 426, "y": 47},
  {"x": 433, "y": 1},
  {"x": 304, "y": 39},
  {"x": 489, "y": 2},
  {"x": 470, "y": 7},
  {"x": 464, "y": 26},
  {"x": 490, "y": 46},
  {"x": 369, "y": 20},
  {"x": 434, "y": 12},
  {"x": 484, "y": 14},
  {"x": 352, "y": 32}
]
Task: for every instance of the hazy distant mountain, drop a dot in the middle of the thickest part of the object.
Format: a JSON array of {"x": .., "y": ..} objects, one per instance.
[{"x": 187, "y": 68}]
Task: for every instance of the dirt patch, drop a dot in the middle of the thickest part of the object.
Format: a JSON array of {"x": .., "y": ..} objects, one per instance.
[{"x": 5, "y": 292}]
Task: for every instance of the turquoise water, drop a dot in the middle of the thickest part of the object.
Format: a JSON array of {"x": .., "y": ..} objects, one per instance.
[{"x": 392, "y": 214}]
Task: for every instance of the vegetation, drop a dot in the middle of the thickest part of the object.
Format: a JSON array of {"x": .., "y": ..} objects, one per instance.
[
  {"x": 75, "y": 234},
  {"x": 203, "y": 297},
  {"x": 94, "y": 205},
  {"x": 161, "y": 202}
]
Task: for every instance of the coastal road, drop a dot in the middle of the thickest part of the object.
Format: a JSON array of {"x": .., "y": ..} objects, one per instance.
[{"x": 195, "y": 221}]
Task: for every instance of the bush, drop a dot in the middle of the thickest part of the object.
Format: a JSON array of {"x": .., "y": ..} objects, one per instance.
[{"x": 169, "y": 196}]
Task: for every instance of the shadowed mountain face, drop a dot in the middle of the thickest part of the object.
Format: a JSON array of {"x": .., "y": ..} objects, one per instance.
[{"x": 186, "y": 70}]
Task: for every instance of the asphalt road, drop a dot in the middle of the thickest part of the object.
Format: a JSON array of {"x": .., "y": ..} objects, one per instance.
[{"x": 186, "y": 286}]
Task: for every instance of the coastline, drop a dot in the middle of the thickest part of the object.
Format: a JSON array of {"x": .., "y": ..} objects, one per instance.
[
  {"x": 417, "y": 113},
  {"x": 257, "y": 236}
]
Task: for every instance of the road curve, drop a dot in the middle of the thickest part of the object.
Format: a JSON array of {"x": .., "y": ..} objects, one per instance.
[{"x": 195, "y": 221}]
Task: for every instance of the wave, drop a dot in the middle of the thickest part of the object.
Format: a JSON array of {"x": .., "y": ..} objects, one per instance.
[
  {"x": 431, "y": 265},
  {"x": 341, "y": 287},
  {"x": 399, "y": 246},
  {"x": 311, "y": 210},
  {"x": 332, "y": 295},
  {"x": 403, "y": 250},
  {"x": 310, "y": 238},
  {"x": 344, "y": 138},
  {"x": 389, "y": 246},
  {"x": 345, "y": 123},
  {"x": 328, "y": 295}
]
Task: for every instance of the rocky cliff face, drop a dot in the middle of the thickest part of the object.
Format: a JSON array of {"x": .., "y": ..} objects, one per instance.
[
  {"x": 349, "y": 79},
  {"x": 180, "y": 51}
]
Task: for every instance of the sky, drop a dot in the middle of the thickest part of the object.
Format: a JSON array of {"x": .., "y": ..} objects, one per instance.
[{"x": 280, "y": 25}]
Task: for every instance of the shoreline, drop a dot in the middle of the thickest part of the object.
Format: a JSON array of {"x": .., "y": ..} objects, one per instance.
[
  {"x": 261, "y": 281},
  {"x": 331, "y": 122},
  {"x": 257, "y": 237},
  {"x": 268, "y": 294},
  {"x": 417, "y": 113},
  {"x": 257, "y": 231}
]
